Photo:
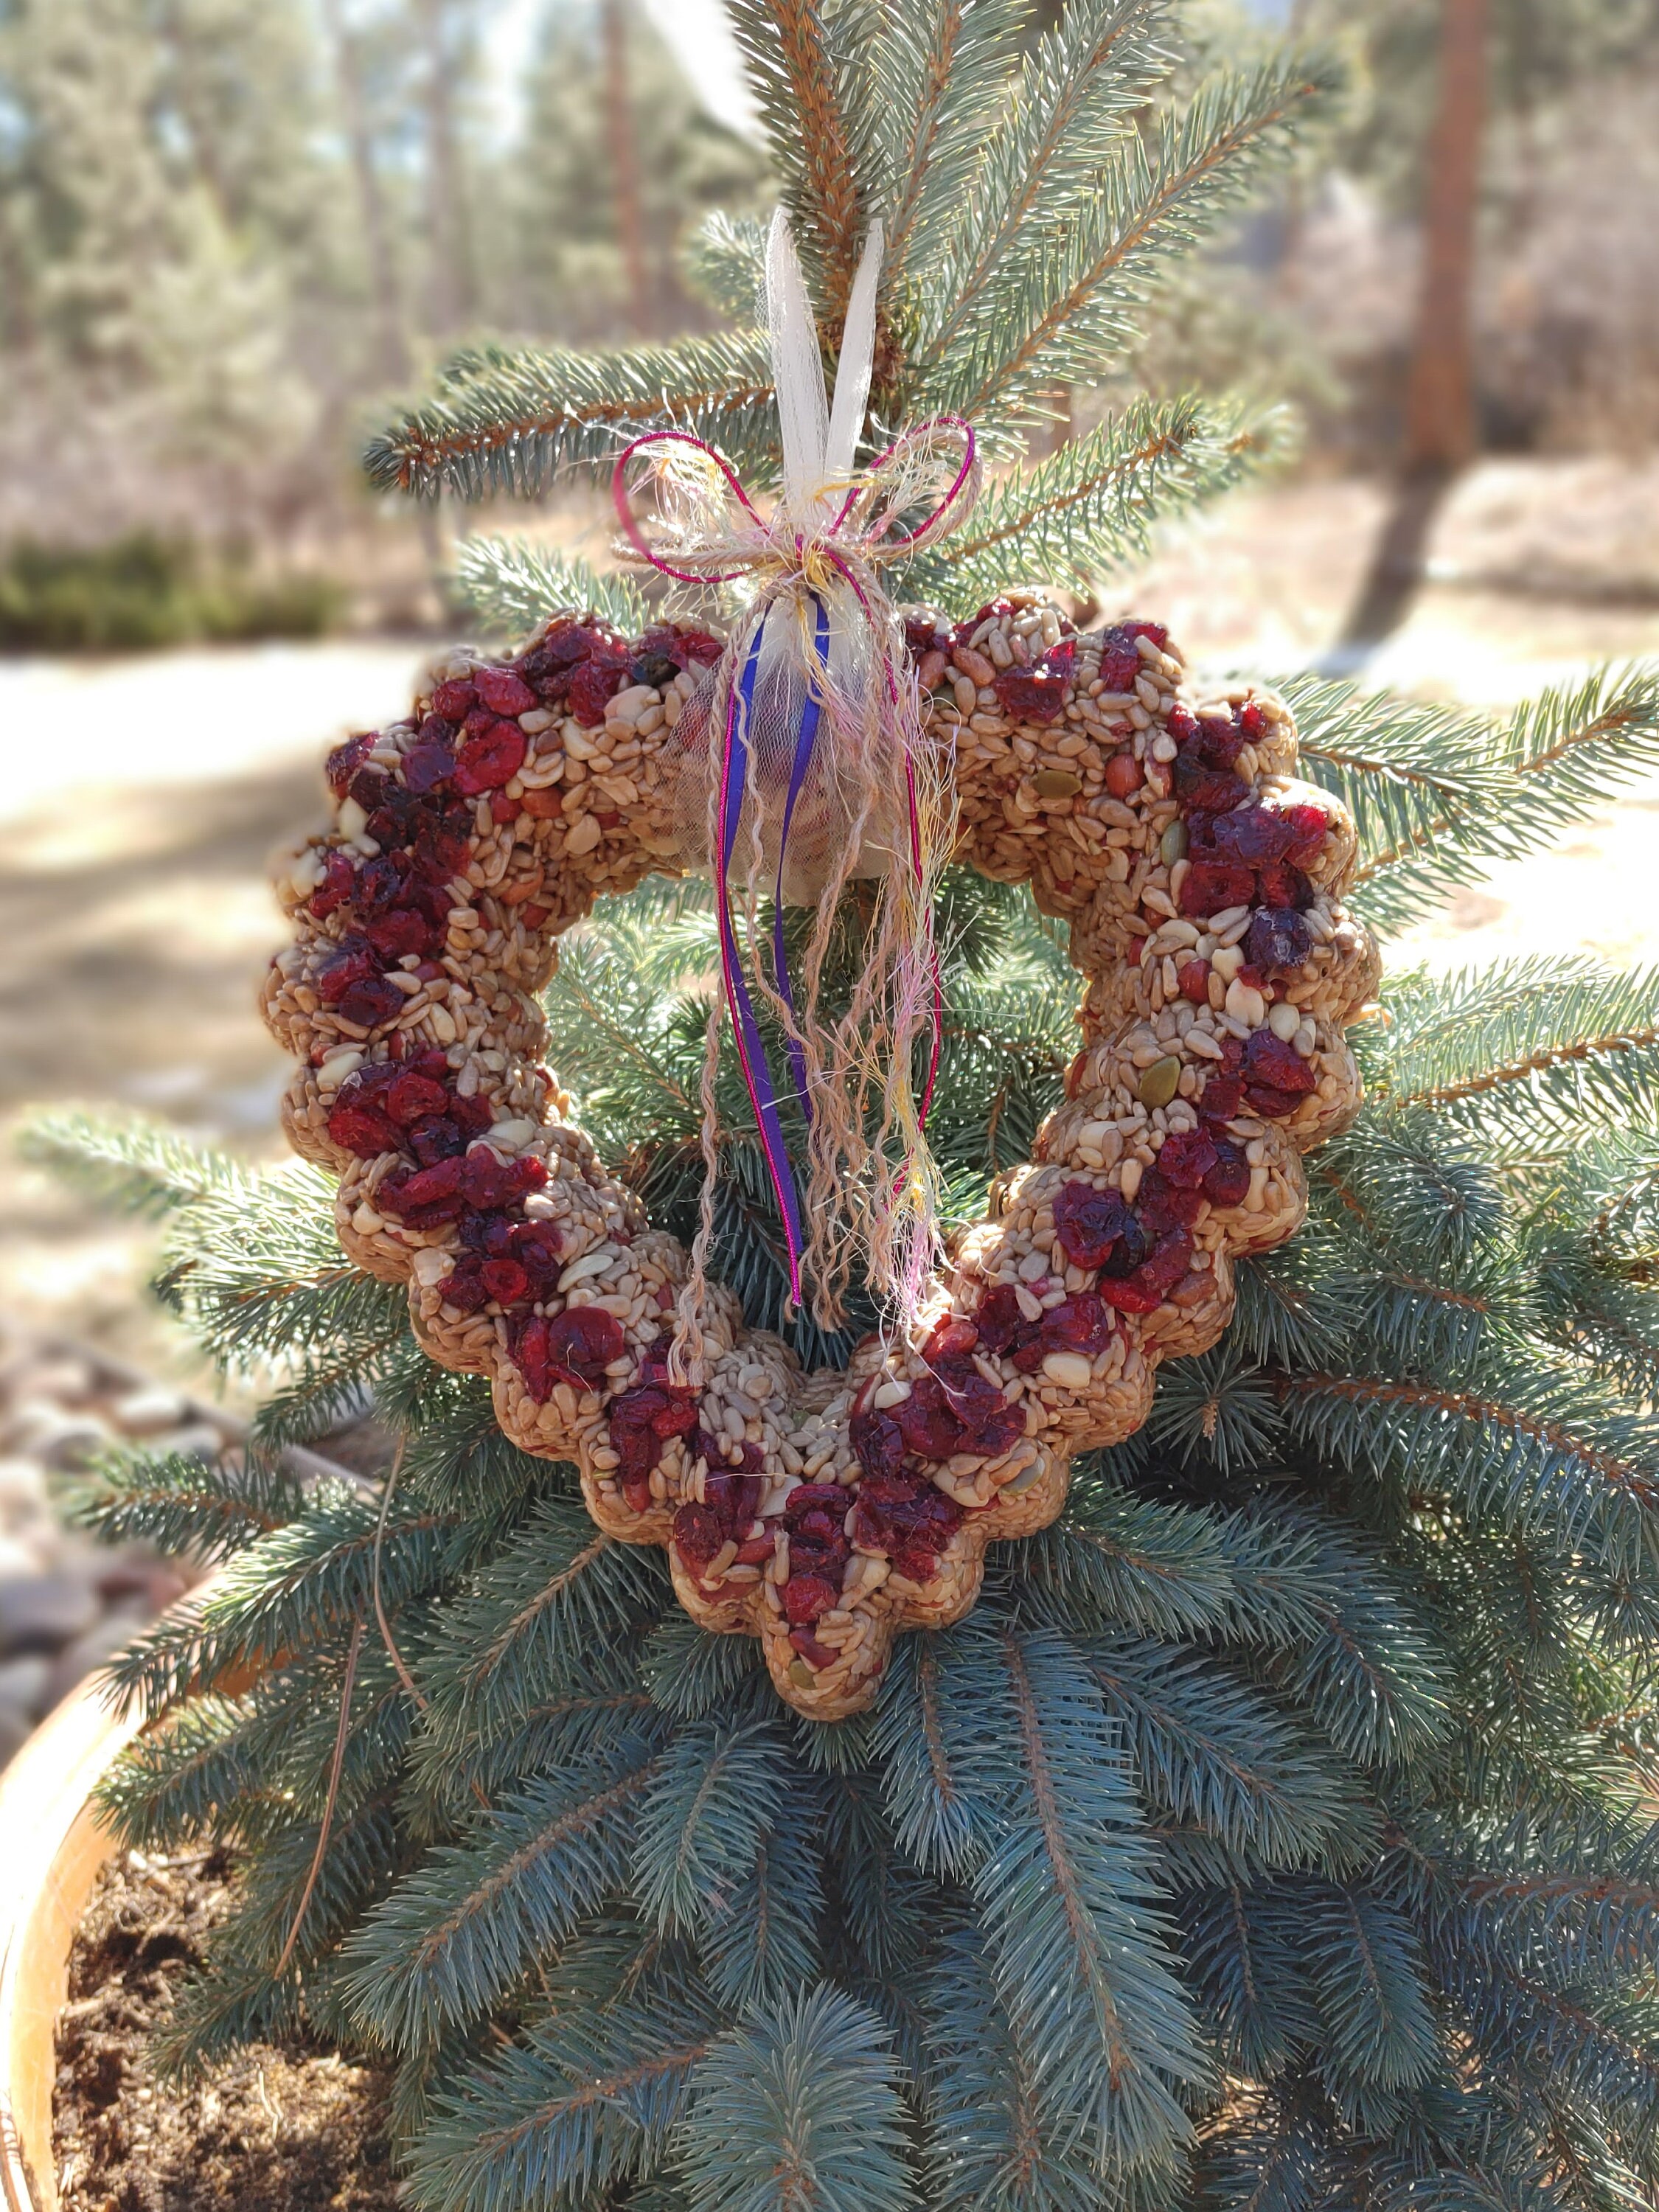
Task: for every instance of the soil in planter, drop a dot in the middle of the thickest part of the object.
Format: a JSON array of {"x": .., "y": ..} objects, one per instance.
[{"x": 283, "y": 2127}]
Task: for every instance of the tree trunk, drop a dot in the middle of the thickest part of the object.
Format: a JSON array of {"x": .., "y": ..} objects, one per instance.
[
  {"x": 625, "y": 167},
  {"x": 390, "y": 343},
  {"x": 450, "y": 301},
  {"x": 1439, "y": 432}
]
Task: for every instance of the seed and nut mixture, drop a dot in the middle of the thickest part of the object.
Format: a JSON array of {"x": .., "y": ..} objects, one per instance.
[{"x": 825, "y": 1512}]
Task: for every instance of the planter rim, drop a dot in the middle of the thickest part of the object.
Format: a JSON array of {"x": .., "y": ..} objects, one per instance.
[{"x": 52, "y": 1847}]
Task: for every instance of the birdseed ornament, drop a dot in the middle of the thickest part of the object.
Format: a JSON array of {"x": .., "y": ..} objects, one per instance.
[{"x": 824, "y": 1512}]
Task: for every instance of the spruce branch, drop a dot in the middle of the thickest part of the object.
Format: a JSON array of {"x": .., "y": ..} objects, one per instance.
[
  {"x": 804, "y": 63},
  {"x": 588, "y": 2100},
  {"x": 1053, "y": 312},
  {"x": 1067, "y": 109},
  {"x": 514, "y": 587},
  {"x": 512, "y": 422},
  {"x": 1088, "y": 508},
  {"x": 797, "y": 2110},
  {"x": 134, "y": 1164}
]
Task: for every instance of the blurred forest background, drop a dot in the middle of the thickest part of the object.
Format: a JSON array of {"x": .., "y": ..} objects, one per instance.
[{"x": 231, "y": 229}]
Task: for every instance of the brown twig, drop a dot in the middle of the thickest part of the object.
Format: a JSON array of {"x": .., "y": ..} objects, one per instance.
[
  {"x": 393, "y": 1652},
  {"x": 342, "y": 1736}
]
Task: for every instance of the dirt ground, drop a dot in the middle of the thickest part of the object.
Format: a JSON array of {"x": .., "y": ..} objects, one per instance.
[
  {"x": 284, "y": 2127},
  {"x": 141, "y": 798}
]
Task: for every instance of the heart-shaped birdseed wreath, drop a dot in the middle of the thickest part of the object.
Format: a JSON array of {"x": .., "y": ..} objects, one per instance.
[{"x": 825, "y": 1512}]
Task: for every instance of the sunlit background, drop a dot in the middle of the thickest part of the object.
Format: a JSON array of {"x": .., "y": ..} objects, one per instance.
[{"x": 233, "y": 233}]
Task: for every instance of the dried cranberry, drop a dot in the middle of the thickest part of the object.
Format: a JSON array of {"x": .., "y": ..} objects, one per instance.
[
  {"x": 1309, "y": 827},
  {"x": 1160, "y": 1206},
  {"x": 1187, "y": 1157},
  {"x": 464, "y": 1288},
  {"x": 489, "y": 760},
  {"x": 922, "y": 634},
  {"x": 1037, "y": 694},
  {"x": 642, "y": 1422},
  {"x": 489, "y": 1181},
  {"x": 956, "y": 1410},
  {"x": 1228, "y": 1182},
  {"x": 1209, "y": 790},
  {"x": 1002, "y": 1325},
  {"x": 806, "y": 1597},
  {"x": 339, "y": 880},
  {"x": 353, "y": 963},
  {"x": 696, "y": 648},
  {"x": 1281, "y": 884},
  {"x": 503, "y": 692},
  {"x": 343, "y": 762},
  {"x": 422, "y": 1197},
  {"x": 402, "y": 931},
  {"x": 1144, "y": 1291},
  {"x": 594, "y": 684},
  {"x": 537, "y": 1246},
  {"x": 361, "y": 1129},
  {"x": 547, "y": 666},
  {"x": 381, "y": 884},
  {"x": 814, "y": 1497},
  {"x": 1272, "y": 1105},
  {"x": 1278, "y": 939},
  {"x": 454, "y": 700},
  {"x": 927, "y": 1421},
  {"x": 1079, "y": 1323},
  {"x": 1128, "y": 1253},
  {"x": 1269, "y": 1061},
  {"x": 1218, "y": 739},
  {"x": 1211, "y": 887},
  {"x": 735, "y": 1497},
  {"x": 876, "y": 1444},
  {"x": 434, "y": 1138},
  {"x": 656, "y": 668},
  {"x": 1089, "y": 1222},
  {"x": 412, "y": 1096},
  {"x": 1120, "y": 663},
  {"x": 1221, "y": 1096},
  {"x": 368, "y": 788},
  {"x": 505, "y": 1280},
  {"x": 697, "y": 1536},
  {"x": 1253, "y": 835},
  {"x": 817, "y": 1656},
  {"x": 952, "y": 1334},
  {"x": 964, "y": 629},
  {"x": 372, "y": 1005},
  {"x": 442, "y": 840},
  {"x": 427, "y": 767},
  {"x": 472, "y": 1115}
]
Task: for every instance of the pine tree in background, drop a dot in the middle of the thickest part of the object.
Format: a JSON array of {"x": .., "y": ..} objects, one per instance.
[{"x": 1272, "y": 1833}]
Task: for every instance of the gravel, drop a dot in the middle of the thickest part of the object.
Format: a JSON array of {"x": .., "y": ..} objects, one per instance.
[{"x": 67, "y": 1604}]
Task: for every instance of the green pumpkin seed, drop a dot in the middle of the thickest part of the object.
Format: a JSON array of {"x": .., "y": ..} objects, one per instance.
[
  {"x": 801, "y": 1675},
  {"x": 1056, "y": 783},
  {"x": 1161, "y": 1081},
  {"x": 1172, "y": 845}
]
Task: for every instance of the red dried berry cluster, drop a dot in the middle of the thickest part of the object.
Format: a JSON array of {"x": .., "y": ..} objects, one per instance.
[
  {"x": 396, "y": 905},
  {"x": 1240, "y": 854},
  {"x": 1035, "y": 693}
]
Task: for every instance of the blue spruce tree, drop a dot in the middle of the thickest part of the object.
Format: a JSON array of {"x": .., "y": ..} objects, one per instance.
[{"x": 1275, "y": 1833}]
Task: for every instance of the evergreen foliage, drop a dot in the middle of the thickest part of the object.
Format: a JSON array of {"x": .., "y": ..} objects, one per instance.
[{"x": 1274, "y": 1834}]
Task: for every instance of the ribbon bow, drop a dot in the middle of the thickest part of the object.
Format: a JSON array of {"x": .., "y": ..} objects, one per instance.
[{"x": 824, "y": 763}]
